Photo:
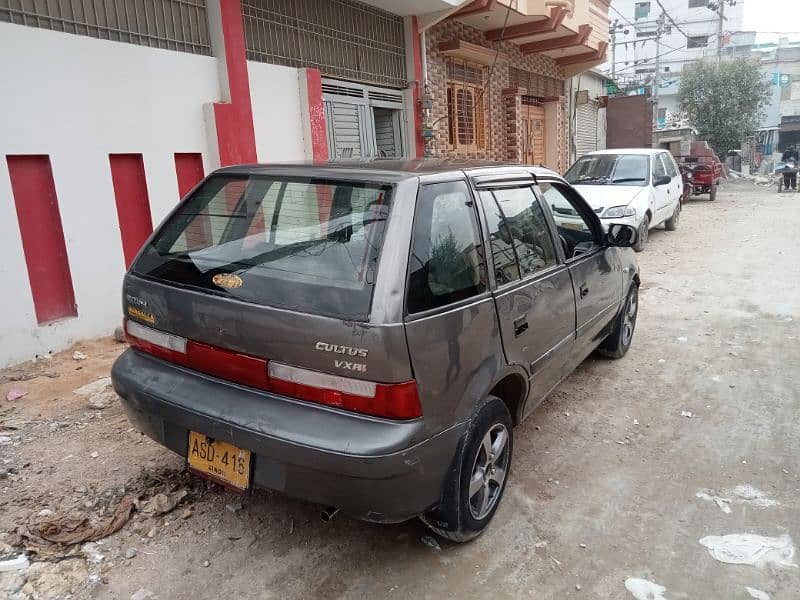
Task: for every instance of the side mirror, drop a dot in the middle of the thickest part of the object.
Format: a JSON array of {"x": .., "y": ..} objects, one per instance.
[
  {"x": 663, "y": 180},
  {"x": 622, "y": 235}
]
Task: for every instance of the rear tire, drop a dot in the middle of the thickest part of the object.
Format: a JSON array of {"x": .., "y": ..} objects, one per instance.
[
  {"x": 671, "y": 224},
  {"x": 712, "y": 195},
  {"x": 644, "y": 234},
  {"x": 617, "y": 344},
  {"x": 475, "y": 487}
]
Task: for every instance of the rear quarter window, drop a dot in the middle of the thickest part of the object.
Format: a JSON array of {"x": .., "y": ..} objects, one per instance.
[{"x": 446, "y": 263}]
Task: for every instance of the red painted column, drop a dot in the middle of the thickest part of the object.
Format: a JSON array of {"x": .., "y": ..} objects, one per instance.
[
  {"x": 316, "y": 115},
  {"x": 189, "y": 171},
  {"x": 42, "y": 237},
  {"x": 418, "y": 89},
  {"x": 236, "y": 138},
  {"x": 133, "y": 203}
]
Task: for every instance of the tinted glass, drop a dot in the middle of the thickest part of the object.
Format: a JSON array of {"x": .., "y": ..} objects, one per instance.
[
  {"x": 617, "y": 169},
  {"x": 527, "y": 230},
  {"x": 573, "y": 229},
  {"x": 504, "y": 258},
  {"x": 308, "y": 245},
  {"x": 446, "y": 263}
]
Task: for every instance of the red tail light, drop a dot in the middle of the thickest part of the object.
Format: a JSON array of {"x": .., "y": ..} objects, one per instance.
[
  {"x": 225, "y": 364},
  {"x": 392, "y": 401}
]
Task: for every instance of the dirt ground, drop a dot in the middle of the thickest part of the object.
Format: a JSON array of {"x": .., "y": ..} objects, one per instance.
[{"x": 609, "y": 480}]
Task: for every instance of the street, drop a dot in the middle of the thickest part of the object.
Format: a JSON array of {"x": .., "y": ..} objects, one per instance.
[{"x": 619, "y": 474}]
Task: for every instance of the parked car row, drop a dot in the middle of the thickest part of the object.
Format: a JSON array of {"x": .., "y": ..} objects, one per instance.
[
  {"x": 638, "y": 187},
  {"x": 367, "y": 336}
]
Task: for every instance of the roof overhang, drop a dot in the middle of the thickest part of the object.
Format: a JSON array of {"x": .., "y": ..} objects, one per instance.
[{"x": 572, "y": 32}]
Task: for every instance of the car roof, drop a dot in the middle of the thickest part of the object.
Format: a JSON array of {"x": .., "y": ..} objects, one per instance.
[
  {"x": 384, "y": 169},
  {"x": 644, "y": 151}
]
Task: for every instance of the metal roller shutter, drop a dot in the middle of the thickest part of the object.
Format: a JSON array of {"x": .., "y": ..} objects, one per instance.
[{"x": 586, "y": 133}]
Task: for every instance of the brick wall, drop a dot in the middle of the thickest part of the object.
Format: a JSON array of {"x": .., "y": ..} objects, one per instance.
[{"x": 502, "y": 135}]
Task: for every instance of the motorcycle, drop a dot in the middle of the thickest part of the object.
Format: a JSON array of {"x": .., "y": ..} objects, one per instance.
[
  {"x": 785, "y": 168},
  {"x": 688, "y": 187}
]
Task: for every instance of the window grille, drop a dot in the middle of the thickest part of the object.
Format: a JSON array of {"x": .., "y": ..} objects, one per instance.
[
  {"x": 168, "y": 24},
  {"x": 697, "y": 41},
  {"x": 466, "y": 109},
  {"x": 535, "y": 84},
  {"x": 341, "y": 38}
]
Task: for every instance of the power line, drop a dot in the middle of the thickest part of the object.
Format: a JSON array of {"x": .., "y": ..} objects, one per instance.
[
  {"x": 671, "y": 20},
  {"x": 624, "y": 18},
  {"x": 647, "y": 60}
]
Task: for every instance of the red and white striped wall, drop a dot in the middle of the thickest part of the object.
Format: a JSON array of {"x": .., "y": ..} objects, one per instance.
[{"x": 100, "y": 139}]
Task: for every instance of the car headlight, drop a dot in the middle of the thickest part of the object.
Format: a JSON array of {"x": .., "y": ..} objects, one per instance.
[{"x": 616, "y": 212}]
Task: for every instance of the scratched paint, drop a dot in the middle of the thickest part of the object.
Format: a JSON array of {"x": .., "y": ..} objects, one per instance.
[{"x": 751, "y": 549}]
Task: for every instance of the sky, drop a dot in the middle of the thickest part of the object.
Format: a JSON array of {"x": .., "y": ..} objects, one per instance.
[{"x": 772, "y": 16}]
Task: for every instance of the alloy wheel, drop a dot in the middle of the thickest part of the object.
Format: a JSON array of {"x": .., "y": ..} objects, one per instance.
[
  {"x": 489, "y": 472},
  {"x": 629, "y": 319}
]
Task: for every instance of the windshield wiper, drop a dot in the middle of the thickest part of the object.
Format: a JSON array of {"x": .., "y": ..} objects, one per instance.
[{"x": 626, "y": 179}]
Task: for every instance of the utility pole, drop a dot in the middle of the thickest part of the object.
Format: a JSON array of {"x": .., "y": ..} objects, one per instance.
[
  {"x": 613, "y": 28},
  {"x": 720, "y": 30},
  {"x": 657, "y": 74}
]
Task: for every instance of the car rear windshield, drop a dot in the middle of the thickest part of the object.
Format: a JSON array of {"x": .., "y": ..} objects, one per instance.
[
  {"x": 616, "y": 169},
  {"x": 306, "y": 244}
]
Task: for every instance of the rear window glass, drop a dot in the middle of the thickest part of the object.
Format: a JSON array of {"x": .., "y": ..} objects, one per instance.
[{"x": 305, "y": 244}]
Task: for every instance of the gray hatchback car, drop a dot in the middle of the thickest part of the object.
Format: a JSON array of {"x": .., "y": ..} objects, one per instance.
[{"x": 367, "y": 335}]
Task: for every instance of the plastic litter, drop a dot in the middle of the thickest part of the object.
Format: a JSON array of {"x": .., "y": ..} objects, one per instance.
[
  {"x": 17, "y": 563},
  {"x": 751, "y": 549},
  {"x": 15, "y": 394},
  {"x": 642, "y": 589},
  {"x": 686, "y": 413},
  {"x": 78, "y": 355},
  {"x": 757, "y": 594}
]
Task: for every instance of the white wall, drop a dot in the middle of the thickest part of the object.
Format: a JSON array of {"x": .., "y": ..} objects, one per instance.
[
  {"x": 275, "y": 96},
  {"x": 78, "y": 99}
]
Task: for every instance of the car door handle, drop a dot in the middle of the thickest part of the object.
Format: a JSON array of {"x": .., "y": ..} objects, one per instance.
[
  {"x": 520, "y": 325},
  {"x": 584, "y": 291}
]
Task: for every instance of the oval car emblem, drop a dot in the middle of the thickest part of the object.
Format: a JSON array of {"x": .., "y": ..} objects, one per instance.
[{"x": 227, "y": 280}]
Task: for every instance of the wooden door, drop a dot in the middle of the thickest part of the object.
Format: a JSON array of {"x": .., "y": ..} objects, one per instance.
[{"x": 533, "y": 137}]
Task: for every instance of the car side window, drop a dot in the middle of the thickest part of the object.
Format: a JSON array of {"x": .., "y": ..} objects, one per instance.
[
  {"x": 669, "y": 165},
  {"x": 523, "y": 228},
  {"x": 504, "y": 257},
  {"x": 574, "y": 231},
  {"x": 446, "y": 263},
  {"x": 658, "y": 168}
]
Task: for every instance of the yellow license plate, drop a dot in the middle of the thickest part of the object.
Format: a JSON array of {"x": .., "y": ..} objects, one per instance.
[{"x": 220, "y": 461}]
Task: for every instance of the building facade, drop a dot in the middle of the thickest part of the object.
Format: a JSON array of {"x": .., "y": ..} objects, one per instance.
[
  {"x": 694, "y": 35},
  {"x": 587, "y": 113},
  {"x": 497, "y": 77},
  {"x": 111, "y": 112}
]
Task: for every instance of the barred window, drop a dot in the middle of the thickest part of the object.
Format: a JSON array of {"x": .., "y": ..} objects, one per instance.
[
  {"x": 342, "y": 38},
  {"x": 535, "y": 84},
  {"x": 167, "y": 24},
  {"x": 466, "y": 109}
]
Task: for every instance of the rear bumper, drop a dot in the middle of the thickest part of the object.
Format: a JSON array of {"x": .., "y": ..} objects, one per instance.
[{"x": 372, "y": 469}]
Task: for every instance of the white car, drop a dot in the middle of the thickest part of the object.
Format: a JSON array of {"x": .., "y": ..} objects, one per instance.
[{"x": 637, "y": 186}]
